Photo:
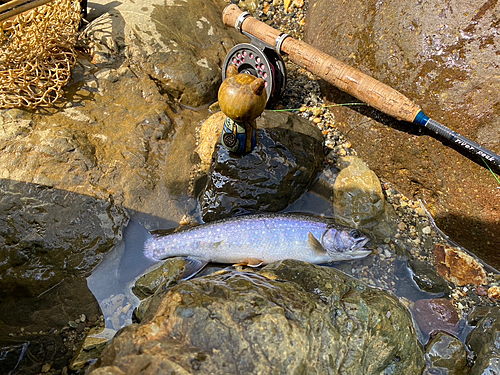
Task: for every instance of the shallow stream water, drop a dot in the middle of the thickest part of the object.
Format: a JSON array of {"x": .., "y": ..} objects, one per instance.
[{"x": 112, "y": 281}]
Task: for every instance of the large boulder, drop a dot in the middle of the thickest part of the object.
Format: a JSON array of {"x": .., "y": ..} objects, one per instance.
[
  {"x": 445, "y": 57},
  {"x": 277, "y": 172},
  {"x": 180, "y": 44},
  {"x": 290, "y": 317}
]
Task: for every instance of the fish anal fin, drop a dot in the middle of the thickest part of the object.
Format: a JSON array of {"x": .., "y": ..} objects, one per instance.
[
  {"x": 250, "y": 262},
  {"x": 316, "y": 245},
  {"x": 192, "y": 266}
]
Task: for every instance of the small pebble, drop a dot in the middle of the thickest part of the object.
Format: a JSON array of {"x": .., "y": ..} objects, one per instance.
[
  {"x": 426, "y": 230},
  {"x": 317, "y": 111},
  {"x": 482, "y": 291},
  {"x": 72, "y": 324},
  {"x": 46, "y": 367},
  {"x": 494, "y": 293}
]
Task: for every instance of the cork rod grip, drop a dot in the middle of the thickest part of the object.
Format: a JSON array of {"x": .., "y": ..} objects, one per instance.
[{"x": 346, "y": 78}]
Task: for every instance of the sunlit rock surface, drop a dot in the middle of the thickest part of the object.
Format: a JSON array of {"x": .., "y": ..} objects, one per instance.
[
  {"x": 318, "y": 321},
  {"x": 445, "y": 57},
  {"x": 179, "y": 44}
]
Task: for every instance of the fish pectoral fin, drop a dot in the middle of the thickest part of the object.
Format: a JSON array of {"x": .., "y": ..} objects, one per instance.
[
  {"x": 192, "y": 266},
  {"x": 250, "y": 262},
  {"x": 316, "y": 245}
]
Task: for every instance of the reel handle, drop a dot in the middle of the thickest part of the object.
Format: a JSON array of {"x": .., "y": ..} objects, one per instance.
[{"x": 346, "y": 78}]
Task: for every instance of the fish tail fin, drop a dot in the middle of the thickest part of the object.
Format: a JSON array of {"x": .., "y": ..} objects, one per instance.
[{"x": 134, "y": 261}]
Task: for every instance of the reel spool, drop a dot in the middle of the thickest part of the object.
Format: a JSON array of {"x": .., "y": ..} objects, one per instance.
[{"x": 263, "y": 63}]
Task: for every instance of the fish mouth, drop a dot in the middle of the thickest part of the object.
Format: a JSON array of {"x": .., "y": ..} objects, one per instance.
[{"x": 360, "y": 245}]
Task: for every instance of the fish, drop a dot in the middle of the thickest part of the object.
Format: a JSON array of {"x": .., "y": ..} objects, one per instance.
[{"x": 259, "y": 239}]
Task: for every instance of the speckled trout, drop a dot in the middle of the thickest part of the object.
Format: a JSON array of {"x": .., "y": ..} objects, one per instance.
[{"x": 254, "y": 240}]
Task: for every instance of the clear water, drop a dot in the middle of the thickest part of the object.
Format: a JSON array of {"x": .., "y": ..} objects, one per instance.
[{"x": 112, "y": 280}]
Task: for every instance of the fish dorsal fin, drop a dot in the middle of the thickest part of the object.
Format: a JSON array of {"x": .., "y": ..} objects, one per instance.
[
  {"x": 192, "y": 266},
  {"x": 316, "y": 245}
]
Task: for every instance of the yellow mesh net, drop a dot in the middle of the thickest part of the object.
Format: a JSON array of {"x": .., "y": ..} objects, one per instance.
[{"x": 37, "y": 54}]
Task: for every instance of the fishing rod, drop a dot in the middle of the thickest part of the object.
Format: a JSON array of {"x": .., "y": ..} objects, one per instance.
[{"x": 362, "y": 86}]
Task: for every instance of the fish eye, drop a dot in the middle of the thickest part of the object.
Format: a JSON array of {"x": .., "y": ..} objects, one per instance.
[{"x": 355, "y": 234}]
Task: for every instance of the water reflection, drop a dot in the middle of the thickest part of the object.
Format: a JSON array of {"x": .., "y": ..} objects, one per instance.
[{"x": 112, "y": 280}]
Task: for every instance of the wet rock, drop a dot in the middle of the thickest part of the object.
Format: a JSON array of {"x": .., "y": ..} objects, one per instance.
[
  {"x": 48, "y": 235},
  {"x": 484, "y": 339},
  {"x": 285, "y": 161},
  {"x": 179, "y": 44},
  {"x": 358, "y": 199},
  {"x": 170, "y": 271},
  {"x": 444, "y": 57},
  {"x": 135, "y": 160},
  {"x": 446, "y": 354},
  {"x": 458, "y": 267},
  {"x": 289, "y": 317},
  {"x": 436, "y": 314},
  {"x": 89, "y": 351},
  {"x": 427, "y": 277}
]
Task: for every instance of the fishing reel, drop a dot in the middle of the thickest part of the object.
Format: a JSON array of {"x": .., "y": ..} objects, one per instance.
[{"x": 262, "y": 61}]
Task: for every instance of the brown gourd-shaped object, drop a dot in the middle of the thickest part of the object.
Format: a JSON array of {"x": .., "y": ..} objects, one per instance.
[{"x": 242, "y": 98}]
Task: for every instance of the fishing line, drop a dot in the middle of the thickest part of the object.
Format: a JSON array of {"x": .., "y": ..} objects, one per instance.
[{"x": 324, "y": 106}]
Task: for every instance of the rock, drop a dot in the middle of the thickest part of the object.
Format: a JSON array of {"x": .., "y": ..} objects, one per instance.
[
  {"x": 134, "y": 161},
  {"x": 445, "y": 58},
  {"x": 446, "y": 354},
  {"x": 458, "y": 267},
  {"x": 285, "y": 161},
  {"x": 483, "y": 340},
  {"x": 494, "y": 293},
  {"x": 48, "y": 235},
  {"x": 289, "y": 317},
  {"x": 179, "y": 44},
  {"x": 436, "y": 314},
  {"x": 427, "y": 278},
  {"x": 170, "y": 271},
  {"x": 91, "y": 349},
  {"x": 358, "y": 200}
]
